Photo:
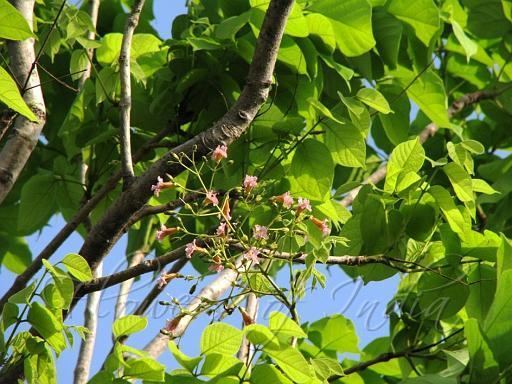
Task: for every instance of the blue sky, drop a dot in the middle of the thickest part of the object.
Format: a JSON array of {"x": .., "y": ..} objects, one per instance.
[{"x": 364, "y": 305}]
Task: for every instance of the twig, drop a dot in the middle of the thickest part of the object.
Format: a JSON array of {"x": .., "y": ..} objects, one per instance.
[
  {"x": 125, "y": 286},
  {"x": 251, "y": 311},
  {"x": 125, "y": 103}
]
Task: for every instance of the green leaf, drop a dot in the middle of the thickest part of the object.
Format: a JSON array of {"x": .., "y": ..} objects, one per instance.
[
  {"x": 421, "y": 15},
  {"x": 326, "y": 367},
  {"x": 23, "y": 296},
  {"x": 349, "y": 18},
  {"x": 427, "y": 91},
  {"x": 261, "y": 335},
  {"x": 497, "y": 325},
  {"x": 296, "y": 24},
  {"x": 388, "y": 33},
  {"x": 267, "y": 373},
  {"x": 10, "y": 95},
  {"x": 9, "y": 314},
  {"x": 77, "y": 267},
  {"x": 460, "y": 181},
  {"x": 17, "y": 256},
  {"x": 291, "y": 54},
  {"x": 442, "y": 294},
  {"x": 146, "y": 369},
  {"x": 323, "y": 110},
  {"x": 282, "y": 325},
  {"x": 190, "y": 363},
  {"x": 453, "y": 216},
  {"x": 220, "y": 338},
  {"x": 470, "y": 47},
  {"x": 346, "y": 144},
  {"x": 334, "y": 333},
  {"x": 78, "y": 63},
  {"x": 230, "y": 26},
  {"x": 291, "y": 361},
  {"x": 486, "y": 19},
  {"x": 37, "y": 203},
  {"x": 396, "y": 125},
  {"x": 13, "y": 25},
  {"x": 128, "y": 324},
  {"x": 143, "y": 43},
  {"x": 320, "y": 27},
  {"x": 406, "y": 158},
  {"x": 312, "y": 170},
  {"x": 374, "y": 99},
  {"x": 43, "y": 320},
  {"x": 108, "y": 53},
  {"x": 216, "y": 364},
  {"x": 62, "y": 281},
  {"x": 483, "y": 366}
]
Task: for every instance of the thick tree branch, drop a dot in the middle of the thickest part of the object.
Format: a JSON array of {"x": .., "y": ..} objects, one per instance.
[
  {"x": 83, "y": 213},
  {"x": 125, "y": 104},
  {"x": 83, "y": 365},
  {"x": 230, "y": 127},
  {"x": 22, "y": 141},
  {"x": 251, "y": 312}
]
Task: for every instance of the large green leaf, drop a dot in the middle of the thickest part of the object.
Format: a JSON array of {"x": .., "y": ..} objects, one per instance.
[
  {"x": 63, "y": 283},
  {"x": 43, "y": 320},
  {"x": 374, "y": 99},
  {"x": 220, "y": 338},
  {"x": 37, "y": 203},
  {"x": 268, "y": 373},
  {"x": 10, "y": 95},
  {"x": 486, "y": 18},
  {"x": 291, "y": 361},
  {"x": 320, "y": 27},
  {"x": 77, "y": 267},
  {"x": 312, "y": 170},
  {"x": 128, "y": 324},
  {"x": 421, "y": 15},
  {"x": 460, "y": 180},
  {"x": 282, "y": 325},
  {"x": 13, "y": 25},
  {"x": 388, "y": 33},
  {"x": 296, "y": 24},
  {"x": 396, "y": 125},
  {"x": 427, "y": 91},
  {"x": 346, "y": 144},
  {"x": 497, "y": 325},
  {"x": 334, "y": 333},
  {"x": 16, "y": 256},
  {"x": 483, "y": 366},
  {"x": 349, "y": 18},
  {"x": 190, "y": 363},
  {"x": 146, "y": 369},
  {"x": 452, "y": 214},
  {"x": 407, "y": 158}
]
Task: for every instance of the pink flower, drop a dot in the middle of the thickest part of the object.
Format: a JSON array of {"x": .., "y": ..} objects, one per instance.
[
  {"x": 303, "y": 205},
  {"x": 252, "y": 255},
  {"x": 221, "y": 229},
  {"x": 250, "y": 182},
  {"x": 164, "y": 232},
  {"x": 221, "y": 152},
  {"x": 226, "y": 210},
  {"x": 164, "y": 278},
  {"x": 191, "y": 248},
  {"x": 211, "y": 198},
  {"x": 216, "y": 268},
  {"x": 162, "y": 282},
  {"x": 161, "y": 184},
  {"x": 260, "y": 232},
  {"x": 286, "y": 199},
  {"x": 172, "y": 324},
  {"x": 321, "y": 225}
]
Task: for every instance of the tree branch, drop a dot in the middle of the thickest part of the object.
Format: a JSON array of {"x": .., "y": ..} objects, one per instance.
[
  {"x": 390, "y": 356},
  {"x": 83, "y": 364},
  {"x": 246, "y": 352},
  {"x": 125, "y": 103},
  {"x": 144, "y": 267},
  {"x": 83, "y": 213},
  {"x": 22, "y": 141}
]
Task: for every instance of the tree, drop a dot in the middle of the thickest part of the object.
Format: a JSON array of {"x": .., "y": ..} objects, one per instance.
[{"x": 268, "y": 137}]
